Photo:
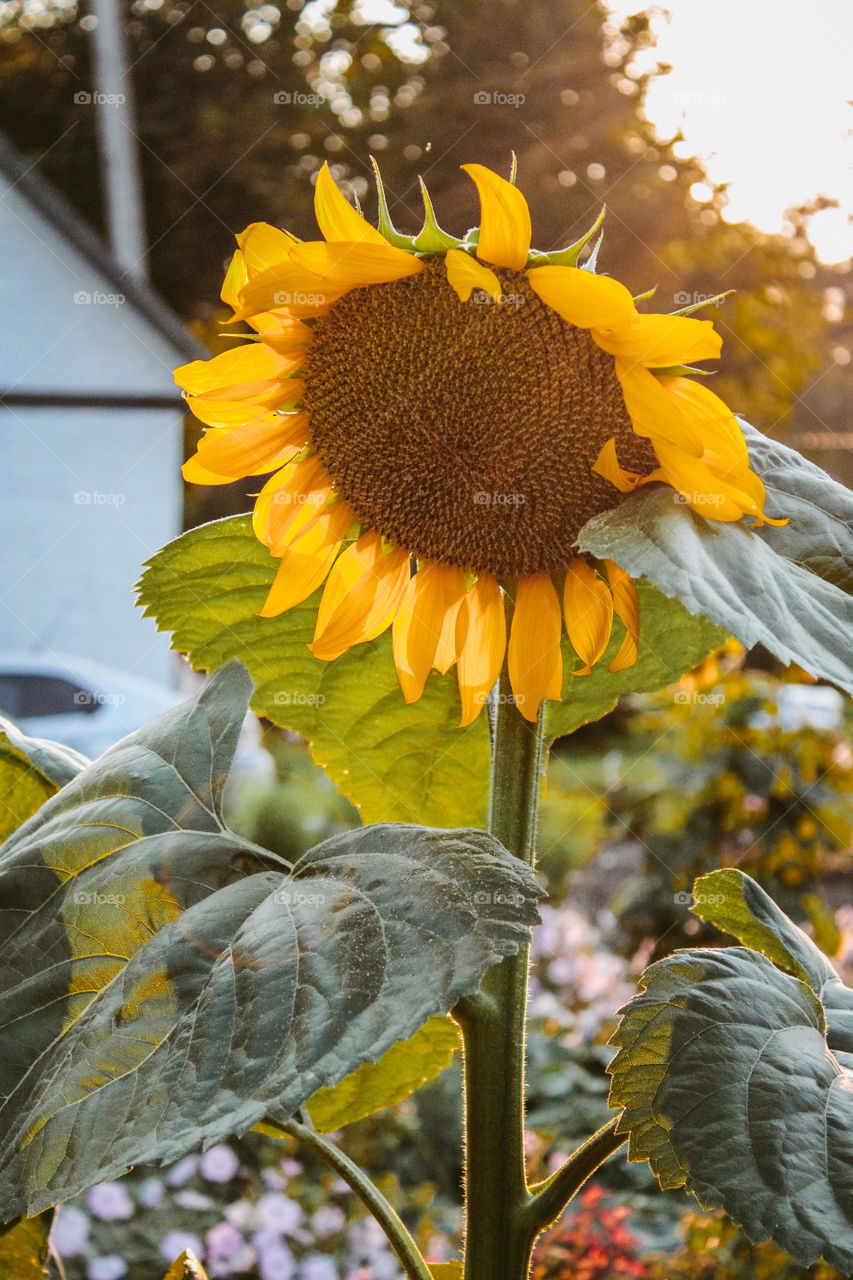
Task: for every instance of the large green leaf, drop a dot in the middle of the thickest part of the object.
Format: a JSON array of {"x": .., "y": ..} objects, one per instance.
[
  {"x": 672, "y": 641},
  {"x": 819, "y": 532},
  {"x": 732, "y": 1084},
  {"x": 31, "y": 771},
  {"x": 396, "y": 762},
  {"x": 401, "y": 1069},
  {"x": 165, "y": 984},
  {"x": 23, "y": 1248},
  {"x": 734, "y": 576}
]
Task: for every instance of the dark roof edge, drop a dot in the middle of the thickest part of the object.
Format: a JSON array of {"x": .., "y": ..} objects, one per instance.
[{"x": 68, "y": 223}]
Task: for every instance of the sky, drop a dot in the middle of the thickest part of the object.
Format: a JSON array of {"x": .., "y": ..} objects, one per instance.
[{"x": 761, "y": 90}]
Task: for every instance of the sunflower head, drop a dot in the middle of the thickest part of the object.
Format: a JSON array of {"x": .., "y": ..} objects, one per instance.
[{"x": 441, "y": 417}]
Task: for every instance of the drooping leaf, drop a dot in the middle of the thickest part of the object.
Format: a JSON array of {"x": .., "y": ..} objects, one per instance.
[
  {"x": 23, "y": 1248},
  {"x": 734, "y": 576},
  {"x": 186, "y": 1267},
  {"x": 672, "y": 641},
  {"x": 819, "y": 532},
  {"x": 168, "y": 984},
  {"x": 735, "y": 903},
  {"x": 31, "y": 770},
  {"x": 396, "y": 762},
  {"x": 400, "y": 1071},
  {"x": 731, "y": 1085}
]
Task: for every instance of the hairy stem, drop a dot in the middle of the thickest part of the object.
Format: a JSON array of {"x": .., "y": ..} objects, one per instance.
[
  {"x": 551, "y": 1196},
  {"x": 499, "y": 1235},
  {"x": 389, "y": 1220}
]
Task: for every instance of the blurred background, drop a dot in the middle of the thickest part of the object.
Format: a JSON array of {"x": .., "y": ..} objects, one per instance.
[{"x": 137, "y": 139}]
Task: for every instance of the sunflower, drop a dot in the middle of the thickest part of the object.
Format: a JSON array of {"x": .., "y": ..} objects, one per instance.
[{"x": 441, "y": 418}]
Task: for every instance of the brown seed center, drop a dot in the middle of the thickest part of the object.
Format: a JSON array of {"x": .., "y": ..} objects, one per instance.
[{"x": 466, "y": 431}]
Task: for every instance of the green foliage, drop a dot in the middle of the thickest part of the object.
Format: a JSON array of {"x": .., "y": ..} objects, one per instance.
[
  {"x": 396, "y": 762},
  {"x": 715, "y": 1248},
  {"x": 171, "y": 984},
  {"x": 400, "y": 1071},
  {"x": 23, "y": 1248},
  {"x": 753, "y": 584},
  {"x": 734, "y": 1078},
  {"x": 31, "y": 771}
]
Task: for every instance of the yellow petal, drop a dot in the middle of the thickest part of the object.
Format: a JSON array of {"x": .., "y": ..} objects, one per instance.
[
  {"x": 464, "y": 274},
  {"x": 504, "y": 237},
  {"x": 445, "y": 650},
  {"x": 583, "y": 298},
  {"x": 727, "y": 496},
  {"x": 217, "y": 410},
  {"x": 236, "y": 277},
  {"x": 655, "y": 413},
  {"x": 480, "y": 644},
  {"x": 290, "y": 287},
  {"x": 283, "y": 333},
  {"x": 349, "y": 265},
  {"x": 250, "y": 363},
  {"x": 715, "y": 424},
  {"x": 249, "y": 450},
  {"x": 588, "y": 608},
  {"x": 535, "y": 660},
  {"x": 264, "y": 246},
  {"x": 364, "y": 589},
  {"x": 307, "y": 561},
  {"x": 626, "y": 607},
  {"x": 656, "y": 341},
  {"x": 290, "y": 501},
  {"x": 336, "y": 217},
  {"x": 431, "y": 595},
  {"x": 607, "y": 465}
]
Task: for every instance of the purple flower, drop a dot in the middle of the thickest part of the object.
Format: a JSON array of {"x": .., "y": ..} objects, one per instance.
[
  {"x": 219, "y": 1164},
  {"x": 276, "y": 1262},
  {"x": 111, "y": 1266},
  {"x": 174, "y": 1243},
  {"x": 151, "y": 1193},
  {"x": 277, "y": 1213},
  {"x": 110, "y": 1201},
  {"x": 70, "y": 1232},
  {"x": 182, "y": 1171},
  {"x": 318, "y": 1266},
  {"x": 223, "y": 1240},
  {"x": 327, "y": 1220}
]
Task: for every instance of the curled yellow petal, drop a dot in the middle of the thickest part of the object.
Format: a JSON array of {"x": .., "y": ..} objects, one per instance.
[
  {"x": 336, "y": 217},
  {"x": 350, "y": 264},
  {"x": 626, "y": 606},
  {"x": 656, "y": 341},
  {"x": 534, "y": 658},
  {"x": 307, "y": 561},
  {"x": 253, "y": 448},
  {"x": 364, "y": 589},
  {"x": 263, "y": 246},
  {"x": 431, "y": 595},
  {"x": 655, "y": 413},
  {"x": 607, "y": 465},
  {"x": 504, "y": 238},
  {"x": 583, "y": 298},
  {"x": 588, "y": 609},
  {"x": 480, "y": 644},
  {"x": 465, "y": 274},
  {"x": 289, "y": 501}
]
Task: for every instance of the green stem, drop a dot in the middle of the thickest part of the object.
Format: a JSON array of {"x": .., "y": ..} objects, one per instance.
[
  {"x": 398, "y": 1235},
  {"x": 551, "y": 1196},
  {"x": 499, "y": 1235}
]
